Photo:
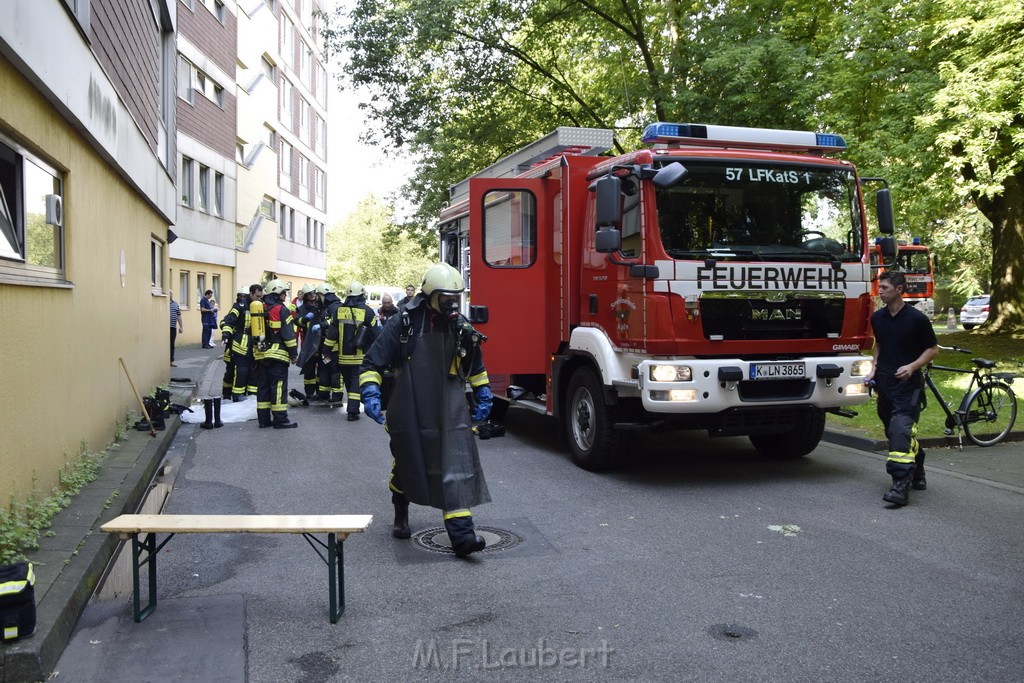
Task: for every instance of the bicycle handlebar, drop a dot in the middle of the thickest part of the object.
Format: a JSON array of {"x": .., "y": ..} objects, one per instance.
[{"x": 954, "y": 348}]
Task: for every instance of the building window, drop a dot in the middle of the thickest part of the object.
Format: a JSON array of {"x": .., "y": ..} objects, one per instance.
[
  {"x": 156, "y": 263},
  {"x": 186, "y": 182},
  {"x": 189, "y": 3},
  {"x": 271, "y": 135},
  {"x": 309, "y": 231},
  {"x": 319, "y": 189},
  {"x": 31, "y": 214},
  {"x": 240, "y": 151},
  {"x": 200, "y": 287},
  {"x": 286, "y": 166},
  {"x": 183, "y": 291},
  {"x": 185, "y": 70},
  {"x": 287, "y": 104},
  {"x": 304, "y": 113},
  {"x": 282, "y": 226},
  {"x": 218, "y": 194},
  {"x": 216, "y": 287},
  {"x": 287, "y": 40},
  {"x": 305, "y": 73},
  {"x": 216, "y": 7},
  {"x": 218, "y": 95},
  {"x": 269, "y": 70},
  {"x": 291, "y": 223},
  {"x": 268, "y": 207},
  {"x": 304, "y": 178},
  {"x": 204, "y": 189}
]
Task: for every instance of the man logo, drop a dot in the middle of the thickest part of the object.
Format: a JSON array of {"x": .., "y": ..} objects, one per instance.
[{"x": 775, "y": 314}]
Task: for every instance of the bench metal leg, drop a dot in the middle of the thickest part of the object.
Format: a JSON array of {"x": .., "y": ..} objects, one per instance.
[
  {"x": 148, "y": 544},
  {"x": 335, "y": 570}
]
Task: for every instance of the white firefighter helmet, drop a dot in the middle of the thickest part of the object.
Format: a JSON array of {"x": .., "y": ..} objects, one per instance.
[
  {"x": 442, "y": 279},
  {"x": 243, "y": 289},
  {"x": 306, "y": 289},
  {"x": 355, "y": 288},
  {"x": 325, "y": 288},
  {"x": 277, "y": 286}
]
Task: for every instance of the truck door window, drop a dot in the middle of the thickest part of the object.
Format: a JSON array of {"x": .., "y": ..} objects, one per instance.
[
  {"x": 509, "y": 228},
  {"x": 772, "y": 211}
]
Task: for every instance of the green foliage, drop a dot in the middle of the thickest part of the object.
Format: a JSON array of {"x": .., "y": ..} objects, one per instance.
[
  {"x": 367, "y": 247},
  {"x": 23, "y": 522}
]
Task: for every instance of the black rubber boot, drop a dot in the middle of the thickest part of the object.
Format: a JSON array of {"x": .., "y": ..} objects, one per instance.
[
  {"x": 208, "y": 410},
  {"x": 401, "y": 527},
  {"x": 352, "y": 417},
  {"x": 463, "y": 536},
  {"x": 263, "y": 415},
  {"x": 216, "y": 413},
  {"x": 899, "y": 494},
  {"x": 281, "y": 421},
  {"x": 918, "y": 482}
]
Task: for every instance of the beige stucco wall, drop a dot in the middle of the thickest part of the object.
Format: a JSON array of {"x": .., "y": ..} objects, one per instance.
[
  {"x": 190, "y": 309},
  {"x": 63, "y": 384}
]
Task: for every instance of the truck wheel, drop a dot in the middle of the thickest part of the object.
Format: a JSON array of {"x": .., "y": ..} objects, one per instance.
[
  {"x": 588, "y": 421},
  {"x": 796, "y": 443}
]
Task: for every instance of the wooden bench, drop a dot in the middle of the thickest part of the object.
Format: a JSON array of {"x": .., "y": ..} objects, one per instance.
[{"x": 337, "y": 528}]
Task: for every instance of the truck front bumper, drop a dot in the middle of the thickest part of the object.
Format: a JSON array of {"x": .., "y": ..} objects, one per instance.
[{"x": 713, "y": 385}]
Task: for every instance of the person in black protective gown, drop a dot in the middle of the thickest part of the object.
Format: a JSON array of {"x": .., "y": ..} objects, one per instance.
[{"x": 435, "y": 352}]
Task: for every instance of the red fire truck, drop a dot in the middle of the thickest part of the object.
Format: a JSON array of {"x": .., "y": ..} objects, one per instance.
[
  {"x": 718, "y": 280},
  {"x": 916, "y": 262}
]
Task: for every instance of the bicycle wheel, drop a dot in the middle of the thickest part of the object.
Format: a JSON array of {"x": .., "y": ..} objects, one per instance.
[{"x": 991, "y": 412}]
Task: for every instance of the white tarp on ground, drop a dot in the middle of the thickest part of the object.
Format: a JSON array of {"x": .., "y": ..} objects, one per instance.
[{"x": 229, "y": 412}]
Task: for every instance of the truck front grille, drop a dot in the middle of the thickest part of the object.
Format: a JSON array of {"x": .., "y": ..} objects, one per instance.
[{"x": 760, "y": 318}]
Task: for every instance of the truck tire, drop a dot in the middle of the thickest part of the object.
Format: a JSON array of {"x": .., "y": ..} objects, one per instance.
[
  {"x": 795, "y": 443},
  {"x": 588, "y": 421}
]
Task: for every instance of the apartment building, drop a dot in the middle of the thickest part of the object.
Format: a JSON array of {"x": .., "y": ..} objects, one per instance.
[
  {"x": 252, "y": 152},
  {"x": 203, "y": 254},
  {"x": 281, "y": 143},
  {"x": 87, "y": 195}
]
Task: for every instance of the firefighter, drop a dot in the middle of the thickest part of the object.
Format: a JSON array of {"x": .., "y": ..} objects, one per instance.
[
  {"x": 240, "y": 339},
  {"x": 436, "y": 462},
  {"x": 353, "y": 331},
  {"x": 273, "y": 355},
  {"x": 227, "y": 331},
  {"x": 328, "y": 384},
  {"x": 308, "y": 318}
]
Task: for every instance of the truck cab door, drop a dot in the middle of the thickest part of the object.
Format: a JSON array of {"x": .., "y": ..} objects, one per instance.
[{"x": 510, "y": 264}]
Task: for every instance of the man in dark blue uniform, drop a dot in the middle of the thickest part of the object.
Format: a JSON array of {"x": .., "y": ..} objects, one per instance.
[
  {"x": 436, "y": 353},
  {"x": 904, "y": 343}
]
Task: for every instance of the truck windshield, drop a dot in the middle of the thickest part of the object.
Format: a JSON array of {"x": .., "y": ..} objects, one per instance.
[{"x": 771, "y": 212}]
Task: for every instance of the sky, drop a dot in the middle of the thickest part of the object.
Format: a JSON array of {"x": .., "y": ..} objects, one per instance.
[{"x": 354, "y": 169}]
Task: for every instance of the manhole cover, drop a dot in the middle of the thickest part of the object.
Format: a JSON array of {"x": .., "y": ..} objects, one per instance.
[{"x": 436, "y": 539}]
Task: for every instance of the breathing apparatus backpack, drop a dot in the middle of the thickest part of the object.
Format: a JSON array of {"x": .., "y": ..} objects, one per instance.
[{"x": 257, "y": 322}]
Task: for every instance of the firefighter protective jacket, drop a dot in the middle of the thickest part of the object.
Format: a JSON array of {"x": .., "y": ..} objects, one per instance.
[{"x": 280, "y": 341}]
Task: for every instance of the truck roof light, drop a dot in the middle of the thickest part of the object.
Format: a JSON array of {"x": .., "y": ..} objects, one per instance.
[
  {"x": 917, "y": 240},
  {"x": 679, "y": 134}
]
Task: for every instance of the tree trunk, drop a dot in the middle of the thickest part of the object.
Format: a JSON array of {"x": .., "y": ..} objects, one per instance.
[{"x": 1006, "y": 212}]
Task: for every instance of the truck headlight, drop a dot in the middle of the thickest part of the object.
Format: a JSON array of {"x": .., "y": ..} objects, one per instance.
[
  {"x": 861, "y": 368},
  {"x": 671, "y": 373},
  {"x": 856, "y": 389}
]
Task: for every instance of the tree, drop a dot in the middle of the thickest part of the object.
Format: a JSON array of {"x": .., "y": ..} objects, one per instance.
[
  {"x": 977, "y": 119},
  {"x": 362, "y": 248}
]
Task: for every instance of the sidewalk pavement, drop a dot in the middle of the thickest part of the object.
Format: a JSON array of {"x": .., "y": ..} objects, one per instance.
[{"x": 71, "y": 562}]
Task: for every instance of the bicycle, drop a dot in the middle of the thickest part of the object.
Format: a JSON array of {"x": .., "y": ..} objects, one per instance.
[{"x": 988, "y": 408}]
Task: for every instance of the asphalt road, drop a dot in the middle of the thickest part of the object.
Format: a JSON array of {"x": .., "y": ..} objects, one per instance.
[{"x": 698, "y": 561}]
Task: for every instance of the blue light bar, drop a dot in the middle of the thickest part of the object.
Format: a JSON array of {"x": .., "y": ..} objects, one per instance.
[
  {"x": 696, "y": 134},
  {"x": 917, "y": 240}
]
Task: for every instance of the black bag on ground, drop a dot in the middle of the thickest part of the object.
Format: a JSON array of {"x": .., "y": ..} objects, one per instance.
[{"x": 17, "y": 600}]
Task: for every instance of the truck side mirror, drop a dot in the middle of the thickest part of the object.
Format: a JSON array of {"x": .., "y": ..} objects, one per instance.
[
  {"x": 883, "y": 207},
  {"x": 607, "y": 241},
  {"x": 889, "y": 248},
  {"x": 669, "y": 176},
  {"x": 607, "y": 202}
]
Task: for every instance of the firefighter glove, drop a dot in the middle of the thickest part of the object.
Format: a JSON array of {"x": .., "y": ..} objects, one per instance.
[
  {"x": 315, "y": 328},
  {"x": 309, "y": 316},
  {"x": 370, "y": 394},
  {"x": 484, "y": 400}
]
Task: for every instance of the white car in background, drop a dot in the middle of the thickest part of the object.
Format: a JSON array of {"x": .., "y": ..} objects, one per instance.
[{"x": 975, "y": 311}]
